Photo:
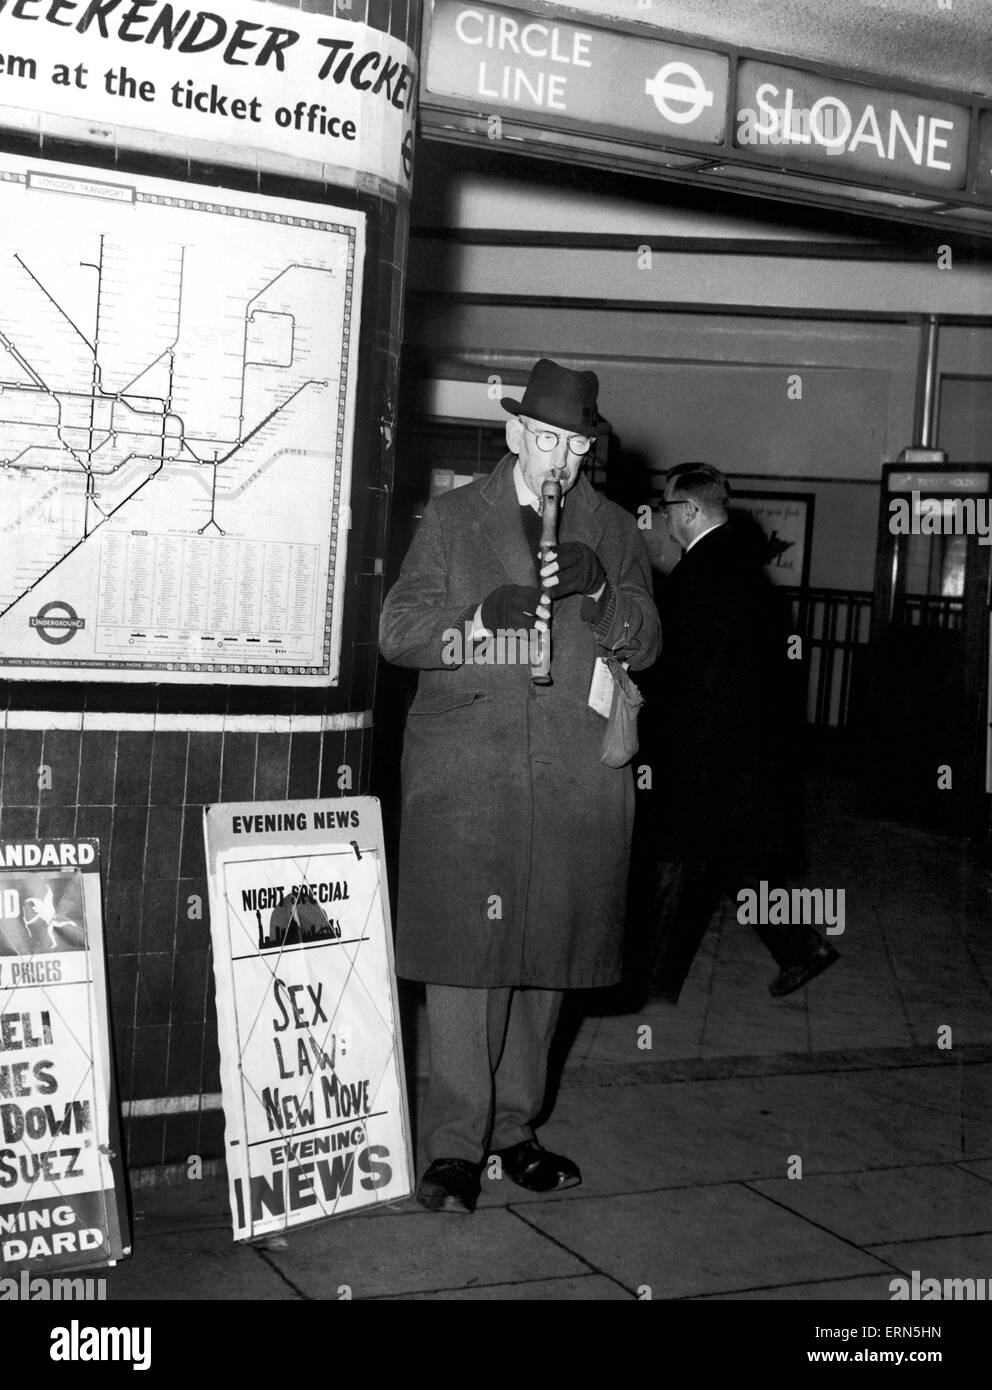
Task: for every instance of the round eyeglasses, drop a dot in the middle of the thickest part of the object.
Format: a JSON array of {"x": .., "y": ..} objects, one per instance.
[{"x": 547, "y": 440}]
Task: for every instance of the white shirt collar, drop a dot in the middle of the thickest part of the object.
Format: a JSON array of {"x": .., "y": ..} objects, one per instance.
[
  {"x": 524, "y": 495},
  {"x": 698, "y": 538}
]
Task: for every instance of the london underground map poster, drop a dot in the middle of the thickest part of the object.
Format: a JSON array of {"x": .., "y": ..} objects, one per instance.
[{"x": 177, "y": 391}]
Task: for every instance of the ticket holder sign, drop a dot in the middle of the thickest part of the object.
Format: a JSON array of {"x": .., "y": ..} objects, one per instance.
[
  {"x": 311, "y": 1055},
  {"x": 62, "y": 1196}
]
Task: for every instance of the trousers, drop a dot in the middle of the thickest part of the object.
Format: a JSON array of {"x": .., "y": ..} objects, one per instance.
[
  {"x": 488, "y": 1067},
  {"x": 687, "y": 895}
]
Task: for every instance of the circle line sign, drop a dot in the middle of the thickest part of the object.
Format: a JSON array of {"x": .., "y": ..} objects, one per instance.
[{"x": 586, "y": 75}]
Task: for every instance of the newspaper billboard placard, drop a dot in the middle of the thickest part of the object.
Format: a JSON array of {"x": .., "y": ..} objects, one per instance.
[
  {"x": 61, "y": 1178},
  {"x": 311, "y": 1054}
]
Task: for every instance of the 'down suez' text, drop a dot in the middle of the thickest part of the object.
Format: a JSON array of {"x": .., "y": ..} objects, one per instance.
[
  {"x": 19, "y": 1123},
  {"x": 35, "y": 1076}
]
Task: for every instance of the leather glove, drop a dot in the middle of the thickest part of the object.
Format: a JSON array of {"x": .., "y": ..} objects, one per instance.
[
  {"x": 511, "y": 607},
  {"x": 579, "y": 570}
]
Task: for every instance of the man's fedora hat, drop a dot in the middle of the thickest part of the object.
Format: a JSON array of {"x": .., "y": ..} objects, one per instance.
[{"x": 558, "y": 396}]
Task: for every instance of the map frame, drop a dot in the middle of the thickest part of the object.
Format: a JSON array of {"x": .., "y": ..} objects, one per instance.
[{"x": 52, "y": 613}]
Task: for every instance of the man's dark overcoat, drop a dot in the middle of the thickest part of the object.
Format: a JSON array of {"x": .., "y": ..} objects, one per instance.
[
  {"x": 515, "y": 837},
  {"x": 725, "y": 726}
]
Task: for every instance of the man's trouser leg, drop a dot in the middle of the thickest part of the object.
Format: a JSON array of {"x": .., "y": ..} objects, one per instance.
[
  {"x": 521, "y": 1076},
  {"x": 688, "y": 893},
  {"x": 476, "y": 1034},
  {"x": 787, "y": 943}
]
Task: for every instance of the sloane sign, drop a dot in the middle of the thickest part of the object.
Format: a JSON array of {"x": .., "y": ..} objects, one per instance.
[{"x": 818, "y": 120}]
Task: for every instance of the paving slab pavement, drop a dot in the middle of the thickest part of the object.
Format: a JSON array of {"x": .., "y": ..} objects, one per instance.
[
  {"x": 686, "y": 1195},
  {"x": 692, "y": 1125}
]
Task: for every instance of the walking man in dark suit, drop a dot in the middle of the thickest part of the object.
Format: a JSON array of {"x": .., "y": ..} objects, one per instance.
[{"x": 729, "y": 736}]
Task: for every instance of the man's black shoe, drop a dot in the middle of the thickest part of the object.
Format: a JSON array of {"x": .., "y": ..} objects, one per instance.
[
  {"x": 536, "y": 1169},
  {"x": 795, "y": 976},
  {"x": 450, "y": 1184}
]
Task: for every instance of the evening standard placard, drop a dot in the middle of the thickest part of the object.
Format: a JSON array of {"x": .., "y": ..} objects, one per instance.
[
  {"x": 177, "y": 396},
  {"x": 232, "y": 81},
  {"x": 311, "y": 1054},
  {"x": 61, "y": 1183}
]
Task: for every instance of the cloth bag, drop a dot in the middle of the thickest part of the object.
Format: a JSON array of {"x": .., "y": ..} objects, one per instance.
[{"x": 620, "y": 738}]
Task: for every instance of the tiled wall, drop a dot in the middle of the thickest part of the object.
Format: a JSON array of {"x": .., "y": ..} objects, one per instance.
[{"x": 141, "y": 794}]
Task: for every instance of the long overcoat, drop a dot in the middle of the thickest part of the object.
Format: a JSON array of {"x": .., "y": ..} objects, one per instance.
[{"x": 515, "y": 837}]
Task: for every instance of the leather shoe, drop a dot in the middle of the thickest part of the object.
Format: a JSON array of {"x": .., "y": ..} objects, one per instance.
[
  {"x": 450, "y": 1184},
  {"x": 795, "y": 976},
  {"x": 536, "y": 1169}
]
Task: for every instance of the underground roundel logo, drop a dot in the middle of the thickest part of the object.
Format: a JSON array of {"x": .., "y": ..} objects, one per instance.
[
  {"x": 679, "y": 102},
  {"x": 57, "y": 622}
]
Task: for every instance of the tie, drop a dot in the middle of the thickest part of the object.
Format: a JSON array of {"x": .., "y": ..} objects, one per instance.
[{"x": 531, "y": 522}]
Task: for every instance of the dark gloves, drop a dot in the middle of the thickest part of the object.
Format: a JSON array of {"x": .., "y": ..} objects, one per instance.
[
  {"x": 579, "y": 570},
  {"x": 511, "y": 607}
]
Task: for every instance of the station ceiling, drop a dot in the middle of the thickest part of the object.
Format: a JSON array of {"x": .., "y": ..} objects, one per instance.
[{"x": 915, "y": 40}]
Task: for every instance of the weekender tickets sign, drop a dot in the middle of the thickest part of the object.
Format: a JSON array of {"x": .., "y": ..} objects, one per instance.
[
  {"x": 61, "y": 1179},
  {"x": 246, "y": 73},
  {"x": 310, "y": 1049}
]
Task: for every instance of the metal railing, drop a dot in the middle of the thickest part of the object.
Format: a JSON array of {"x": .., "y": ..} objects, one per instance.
[
  {"x": 929, "y": 610},
  {"x": 834, "y": 624}
]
